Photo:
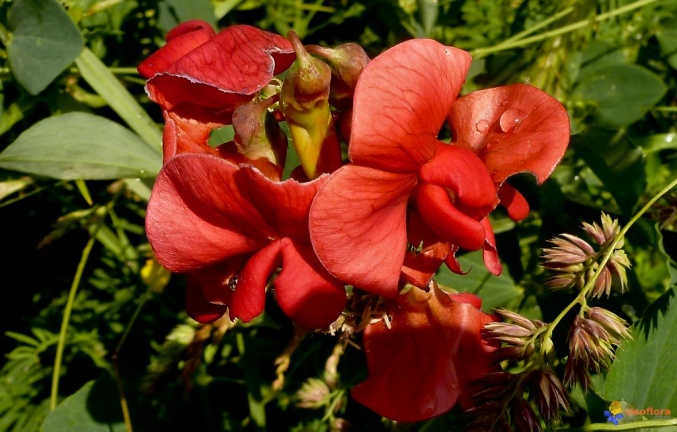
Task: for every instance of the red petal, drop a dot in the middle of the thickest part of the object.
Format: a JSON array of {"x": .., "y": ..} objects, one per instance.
[
  {"x": 180, "y": 41},
  {"x": 451, "y": 224},
  {"x": 464, "y": 174},
  {"x": 197, "y": 306},
  {"x": 514, "y": 202},
  {"x": 284, "y": 205},
  {"x": 420, "y": 267},
  {"x": 306, "y": 293},
  {"x": 197, "y": 215},
  {"x": 358, "y": 227},
  {"x": 237, "y": 61},
  {"x": 401, "y": 101},
  {"x": 420, "y": 367},
  {"x": 186, "y": 135},
  {"x": 249, "y": 297},
  {"x": 489, "y": 253},
  {"x": 513, "y": 129}
]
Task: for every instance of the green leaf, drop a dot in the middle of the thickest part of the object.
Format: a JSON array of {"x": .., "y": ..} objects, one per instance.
[
  {"x": 621, "y": 93},
  {"x": 494, "y": 290},
  {"x": 173, "y": 12},
  {"x": 81, "y": 146},
  {"x": 644, "y": 373},
  {"x": 616, "y": 161},
  {"x": 120, "y": 100},
  {"x": 44, "y": 42},
  {"x": 93, "y": 408}
]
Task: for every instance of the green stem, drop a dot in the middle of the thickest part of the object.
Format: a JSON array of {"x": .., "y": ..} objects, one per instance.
[
  {"x": 66, "y": 319},
  {"x": 482, "y": 52},
  {"x": 118, "y": 377},
  {"x": 538, "y": 26},
  {"x": 123, "y": 70},
  {"x": 580, "y": 298},
  {"x": 622, "y": 427}
]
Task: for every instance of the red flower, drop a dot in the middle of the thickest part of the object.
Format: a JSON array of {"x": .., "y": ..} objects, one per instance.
[
  {"x": 402, "y": 179},
  {"x": 229, "y": 228},
  {"x": 200, "y": 77},
  {"x": 425, "y": 362}
]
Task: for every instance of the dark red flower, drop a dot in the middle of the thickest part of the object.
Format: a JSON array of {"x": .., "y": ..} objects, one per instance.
[
  {"x": 402, "y": 179},
  {"x": 229, "y": 228},
  {"x": 425, "y": 362},
  {"x": 199, "y": 77}
]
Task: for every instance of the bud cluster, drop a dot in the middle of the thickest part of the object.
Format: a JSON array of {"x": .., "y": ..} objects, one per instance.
[
  {"x": 508, "y": 401},
  {"x": 517, "y": 339},
  {"x": 502, "y": 406},
  {"x": 591, "y": 341},
  {"x": 576, "y": 262}
]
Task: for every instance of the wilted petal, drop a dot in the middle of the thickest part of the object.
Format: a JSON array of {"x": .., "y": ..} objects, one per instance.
[
  {"x": 401, "y": 101},
  {"x": 513, "y": 129},
  {"x": 221, "y": 71},
  {"x": 197, "y": 215},
  {"x": 306, "y": 293},
  {"x": 358, "y": 227}
]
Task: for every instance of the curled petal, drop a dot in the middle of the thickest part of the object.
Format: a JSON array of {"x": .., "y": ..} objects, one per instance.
[
  {"x": 513, "y": 129},
  {"x": 197, "y": 306},
  {"x": 514, "y": 202},
  {"x": 489, "y": 252},
  {"x": 358, "y": 227},
  {"x": 461, "y": 172},
  {"x": 401, "y": 101},
  {"x": 446, "y": 220},
  {"x": 249, "y": 297},
  {"x": 306, "y": 293},
  {"x": 197, "y": 215}
]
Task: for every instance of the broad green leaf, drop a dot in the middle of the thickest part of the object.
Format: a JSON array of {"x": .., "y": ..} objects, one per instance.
[
  {"x": 644, "y": 374},
  {"x": 617, "y": 162},
  {"x": 44, "y": 42},
  {"x": 81, "y": 146},
  {"x": 494, "y": 290},
  {"x": 93, "y": 408},
  {"x": 621, "y": 93}
]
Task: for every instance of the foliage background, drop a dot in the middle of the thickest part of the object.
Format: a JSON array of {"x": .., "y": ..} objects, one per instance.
[{"x": 610, "y": 62}]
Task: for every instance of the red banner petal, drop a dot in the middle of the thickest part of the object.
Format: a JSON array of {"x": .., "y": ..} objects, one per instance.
[{"x": 401, "y": 101}]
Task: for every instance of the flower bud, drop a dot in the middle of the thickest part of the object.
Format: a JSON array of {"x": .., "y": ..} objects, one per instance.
[
  {"x": 524, "y": 417},
  {"x": 347, "y": 62},
  {"x": 614, "y": 324},
  {"x": 304, "y": 102}
]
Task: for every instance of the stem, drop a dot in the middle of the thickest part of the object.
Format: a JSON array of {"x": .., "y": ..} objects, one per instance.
[
  {"x": 622, "y": 427},
  {"x": 66, "y": 318},
  {"x": 118, "y": 348},
  {"x": 538, "y": 26},
  {"x": 482, "y": 52},
  {"x": 580, "y": 298}
]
